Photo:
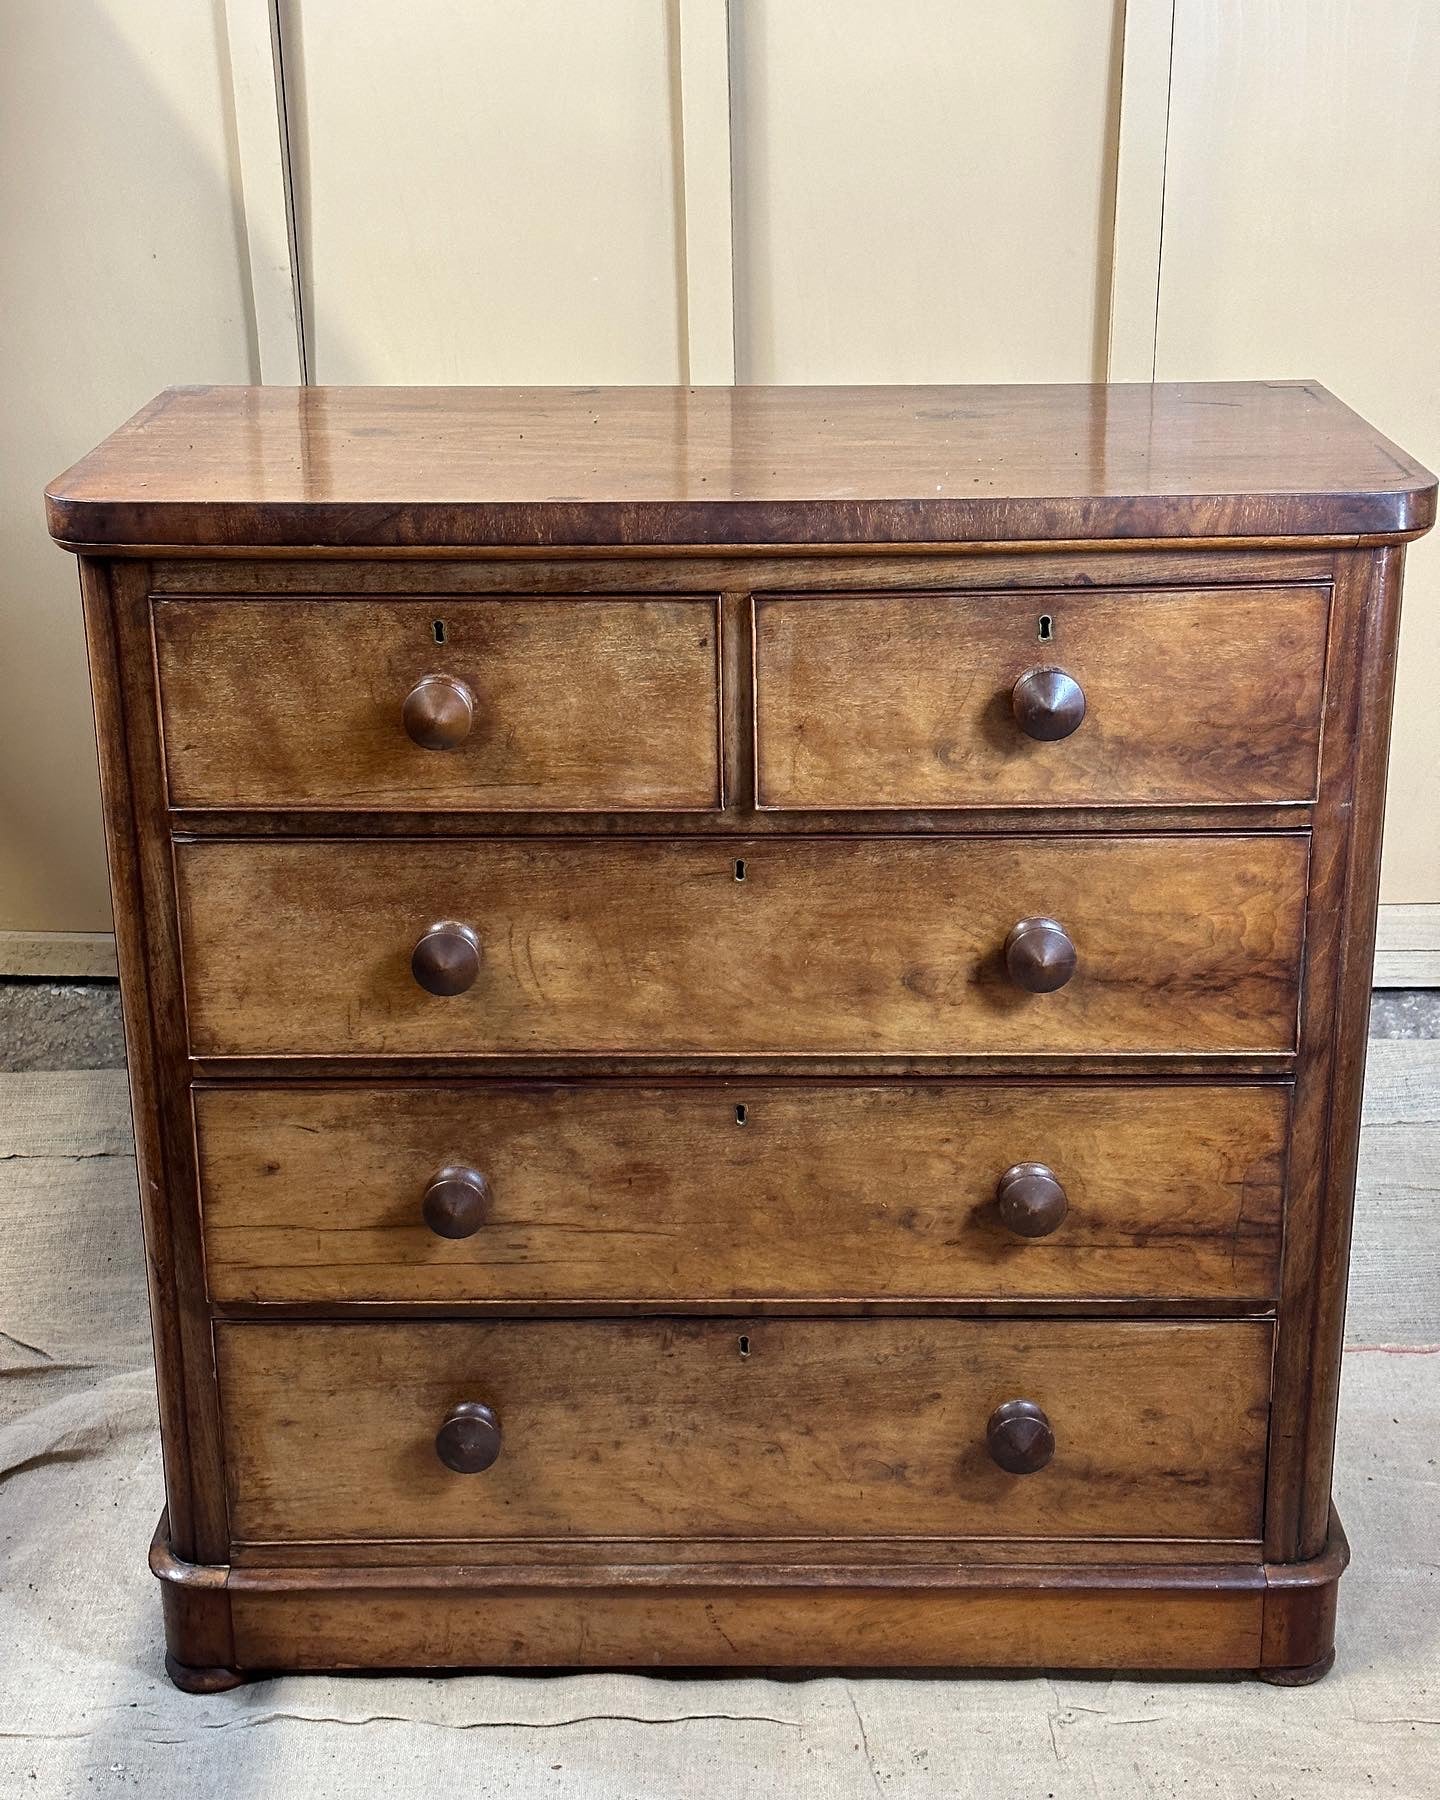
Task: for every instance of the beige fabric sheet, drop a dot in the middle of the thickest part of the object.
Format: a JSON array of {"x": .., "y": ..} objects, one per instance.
[{"x": 85, "y": 1709}]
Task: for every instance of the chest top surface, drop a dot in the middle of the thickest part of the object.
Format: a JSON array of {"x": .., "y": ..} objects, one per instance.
[{"x": 230, "y": 468}]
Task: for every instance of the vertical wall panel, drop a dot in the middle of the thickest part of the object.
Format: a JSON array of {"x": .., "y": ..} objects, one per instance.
[
  {"x": 923, "y": 190},
  {"x": 1302, "y": 238},
  {"x": 123, "y": 271},
  {"x": 486, "y": 192}
]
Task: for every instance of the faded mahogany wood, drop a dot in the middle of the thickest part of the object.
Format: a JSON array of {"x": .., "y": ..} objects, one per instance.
[
  {"x": 1374, "y": 696},
  {"x": 456, "y": 1203},
  {"x": 738, "y": 1628},
  {"x": 739, "y": 1561},
  {"x": 1331, "y": 1068},
  {"x": 889, "y": 947},
  {"x": 469, "y": 1439},
  {"x": 657, "y": 1194},
  {"x": 739, "y": 820},
  {"x": 424, "y": 468},
  {"x": 1299, "y": 1620},
  {"x": 774, "y": 1562},
  {"x": 141, "y": 878},
  {"x": 385, "y": 1068},
  {"x": 446, "y": 959},
  {"x": 718, "y": 568},
  {"x": 1020, "y": 1437},
  {"x": 578, "y": 705},
  {"x": 1039, "y": 956},
  {"x": 290, "y": 1614},
  {"x": 340, "y": 784},
  {"x": 1047, "y": 703},
  {"x": 1198, "y": 697},
  {"x": 439, "y": 711},
  {"x": 1030, "y": 1200},
  {"x": 756, "y": 1427}
]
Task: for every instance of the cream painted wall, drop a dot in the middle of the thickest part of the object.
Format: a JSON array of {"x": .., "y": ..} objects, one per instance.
[
  {"x": 486, "y": 193},
  {"x": 121, "y": 271},
  {"x": 923, "y": 191},
  {"x": 1302, "y": 237},
  {"x": 662, "y": 190}
]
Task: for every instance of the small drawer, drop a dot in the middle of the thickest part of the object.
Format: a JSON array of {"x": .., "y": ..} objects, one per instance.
[
  {"x": 603, "y": 1194},
  {"x": 889, "y": 947},
  {"x": 548, "y": 705},
  {"x": 744, "y": 1428},
  {"x": 1160, "y": 698}
]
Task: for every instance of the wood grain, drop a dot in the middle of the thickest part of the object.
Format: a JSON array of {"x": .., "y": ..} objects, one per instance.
[
  {"x": 655, "y": 1194},
  {"x": 738, "y": 1561},
  {"x": 921, "y": 1628},
  {"x": 712, "y": 568},
  {"x": 749, "y": 1427},
  {"x": 147, "y": 942},
  {"x": 580, "y": 705},
  {"x": 1336, "y": 1007},
  {"x": 1191, "y": 697},
  {"x": 430, "y": 467},
  {"x": 879, "y": 947}
]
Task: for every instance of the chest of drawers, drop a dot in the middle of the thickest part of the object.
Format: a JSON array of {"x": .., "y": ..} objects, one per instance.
[{"x": 746, "y": 1013}]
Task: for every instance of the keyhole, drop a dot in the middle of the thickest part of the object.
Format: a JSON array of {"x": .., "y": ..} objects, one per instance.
[
  {"x": 741, "y": 1115},
  {"x": 1047, "y": 628},
  {"x": 744, "y": 1346},
  {"x": 739, "y": 868},
  {"x": 439, "y": 629}
]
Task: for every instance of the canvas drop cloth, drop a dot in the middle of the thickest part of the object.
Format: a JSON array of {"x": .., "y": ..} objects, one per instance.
[{"x": 85, "y": 1709}]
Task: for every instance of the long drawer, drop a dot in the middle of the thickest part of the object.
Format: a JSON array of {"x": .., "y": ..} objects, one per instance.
[
  {"x": 550, "y": 705},
  {"x": 661, "y": 1193},
  {"x": 1167, "y": 697},
  {"x": 839, "y": 947},
  {"x": 744, "y": 1429}
]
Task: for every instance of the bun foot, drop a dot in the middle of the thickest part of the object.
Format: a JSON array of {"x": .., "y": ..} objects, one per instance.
[
  {"x": 203, "y": 1681},
  {"x": 1301, "y": 1677}
]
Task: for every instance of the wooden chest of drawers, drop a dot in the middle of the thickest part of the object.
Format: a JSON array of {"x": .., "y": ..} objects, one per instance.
[{"x": 746, "y": 1013}]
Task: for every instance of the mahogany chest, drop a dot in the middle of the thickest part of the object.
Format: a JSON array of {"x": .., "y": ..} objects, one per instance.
[{"x": 746, "y": 1013}]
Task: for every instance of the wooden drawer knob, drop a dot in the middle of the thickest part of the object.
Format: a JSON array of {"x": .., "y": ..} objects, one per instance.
[
  {"x": 1031, "y": 1200},
  {"x": 438, "y": 712},
  {"x": 447, "y": 959},
  {"x": 1048, "y": 704},
  {"x": 1039, "y": 955},
  {"x": 469, "y": 1440},
  {"x": 1020, "y": 1437},
  {"x": 456, "y": 1202}
]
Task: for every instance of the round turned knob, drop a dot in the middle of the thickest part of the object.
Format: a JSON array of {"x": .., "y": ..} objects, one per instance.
[
  {"x": 469, "y": 1440},
  {"x": 456, "y": 1201},
  {"x": 438, "y": 712},
  {"x": 447, "y": 959},
  {"x": 1020, "y": 1437},
  {"x": 1039, "y": 955},
  {"x": 1048, "y": 704},
  {"x": 1031, "y": 1200}
]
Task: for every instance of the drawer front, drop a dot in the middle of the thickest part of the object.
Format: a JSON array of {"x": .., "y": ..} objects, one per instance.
[
  {"x": 562, "y": 705},
  {"x": 881, "y": 947},
  {"x": 1190, "y": 697},
  {"x": 744, "y": 1428},
  {"x": 602, "y": 1193}
]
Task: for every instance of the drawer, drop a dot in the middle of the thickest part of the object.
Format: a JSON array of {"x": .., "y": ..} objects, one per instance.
[
  {"x": 839, "y": 947},
  {"x": 551, "y": 705},
  {"x": 744, "y": 1428},
  {"x": 658, "y": 1194},
  {"x": 1190, "y": 697}
]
